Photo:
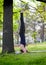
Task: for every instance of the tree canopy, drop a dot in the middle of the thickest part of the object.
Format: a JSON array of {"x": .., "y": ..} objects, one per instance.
[{"x": 34, "y": 7}]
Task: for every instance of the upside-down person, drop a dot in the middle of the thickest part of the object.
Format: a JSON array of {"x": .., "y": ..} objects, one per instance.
[{"x": 22, "y": 34}]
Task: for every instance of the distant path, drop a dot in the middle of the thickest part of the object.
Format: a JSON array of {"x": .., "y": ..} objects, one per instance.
[{"x": 39, "y": 51}]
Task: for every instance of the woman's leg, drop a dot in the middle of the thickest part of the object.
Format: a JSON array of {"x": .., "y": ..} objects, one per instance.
[
  {"x": 22, "y": 33},
  {"x": 23, "y": 43}
]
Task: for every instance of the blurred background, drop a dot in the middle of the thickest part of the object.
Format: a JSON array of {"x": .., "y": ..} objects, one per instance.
[{"x": 34, "y": 19}]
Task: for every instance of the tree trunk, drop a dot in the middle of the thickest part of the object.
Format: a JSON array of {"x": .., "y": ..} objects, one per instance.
[
  {"x": 42, "y": 33},
  {"x": 8, "y": 45},
  {"x": 42, "y": 0}
]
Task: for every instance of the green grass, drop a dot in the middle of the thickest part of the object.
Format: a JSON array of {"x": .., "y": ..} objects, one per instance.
[
  {"x": 33, "y": 58},
  {"x": 33, "y": 47},
  {"x": 23, "y": 59}
]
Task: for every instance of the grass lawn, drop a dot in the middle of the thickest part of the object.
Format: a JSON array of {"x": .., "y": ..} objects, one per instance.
[
  {"x": 38, "y": 46},
  {"x": 33, "y": 58},
  {"x": 23, "y": 59}
]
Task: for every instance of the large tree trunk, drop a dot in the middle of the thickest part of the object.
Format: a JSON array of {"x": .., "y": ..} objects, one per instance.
[{"x": 8, "y": 45}]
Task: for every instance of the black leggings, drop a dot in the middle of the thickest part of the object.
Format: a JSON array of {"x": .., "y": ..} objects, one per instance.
[
  {"x": 22, "y": 30},
  {"x": 22, "y": 41}
]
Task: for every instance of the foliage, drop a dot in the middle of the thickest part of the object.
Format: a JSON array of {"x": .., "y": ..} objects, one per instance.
[
  {"x": 25, "y": 5},
  {"x": 42, "y": 10},
  {"x": 34, "y": 34},
  {"x": 15, "y": 26},
  {"x": 1, "y": 14}
]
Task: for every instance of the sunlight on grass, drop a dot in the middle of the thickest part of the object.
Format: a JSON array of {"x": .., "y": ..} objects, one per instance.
[
  {"x": 31, "y": 47},
  {"x": 36, "y": 47}
]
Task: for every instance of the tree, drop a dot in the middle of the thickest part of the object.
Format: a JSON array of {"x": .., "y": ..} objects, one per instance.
[
  {"x": 8, "y": 45},
  {"x": 42, "y": 11},
  {"x": 42, "y": 0}
]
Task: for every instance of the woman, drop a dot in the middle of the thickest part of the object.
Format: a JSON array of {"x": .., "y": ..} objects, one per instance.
[{"x": 22, "y": 34}]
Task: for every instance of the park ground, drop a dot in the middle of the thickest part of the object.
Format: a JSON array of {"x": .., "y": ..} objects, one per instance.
[{"x": 32, "y": 58}]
